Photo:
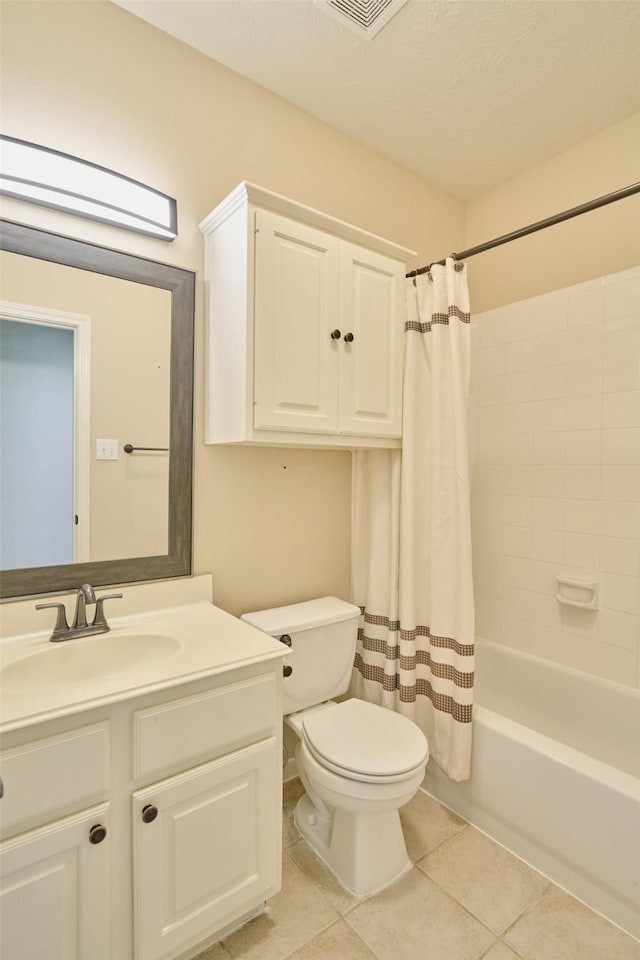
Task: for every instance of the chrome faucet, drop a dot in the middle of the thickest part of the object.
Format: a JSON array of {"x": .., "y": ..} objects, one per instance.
[
  {"x": 80, "y": 627},
  {"x": 84, "y": 596}
]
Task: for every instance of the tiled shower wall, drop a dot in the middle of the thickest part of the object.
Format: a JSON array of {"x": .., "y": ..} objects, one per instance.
[{"x": 556, "y": 481}]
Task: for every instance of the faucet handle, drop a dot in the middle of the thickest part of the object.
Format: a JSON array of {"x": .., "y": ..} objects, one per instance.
[
  {"x": 61, "y": 627},
  {"x": 99, "y": 619}
]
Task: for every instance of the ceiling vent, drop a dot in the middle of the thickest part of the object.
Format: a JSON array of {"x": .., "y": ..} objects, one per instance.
[{"x": 365, "y": 17}]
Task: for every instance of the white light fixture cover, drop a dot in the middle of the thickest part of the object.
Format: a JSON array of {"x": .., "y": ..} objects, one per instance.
[{"x": 53, "y": 179}]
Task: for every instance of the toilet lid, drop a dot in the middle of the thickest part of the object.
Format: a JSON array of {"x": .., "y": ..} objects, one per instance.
[{"x": 362, "y": 739}]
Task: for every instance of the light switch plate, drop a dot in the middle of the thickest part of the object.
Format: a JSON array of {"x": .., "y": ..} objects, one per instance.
[{"x": 106, "y": 449}]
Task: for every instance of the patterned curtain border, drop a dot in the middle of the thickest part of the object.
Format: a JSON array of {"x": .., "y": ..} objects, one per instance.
[
  {"x": 437, "y": 318},
  {"x": 393, "y": 626},
  {"x": 462, "y": 712}
]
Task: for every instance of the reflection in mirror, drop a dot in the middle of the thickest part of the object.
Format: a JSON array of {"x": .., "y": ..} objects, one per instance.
[
  {"x": 83, "y": 372},
  {"x": 97, "y": 354}
]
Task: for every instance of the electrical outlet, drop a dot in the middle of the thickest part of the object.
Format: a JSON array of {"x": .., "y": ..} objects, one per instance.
[{"x": 106, "y": 449}]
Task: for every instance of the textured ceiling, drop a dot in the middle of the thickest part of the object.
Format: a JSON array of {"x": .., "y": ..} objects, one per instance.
[{"x": 467, "y": 93}]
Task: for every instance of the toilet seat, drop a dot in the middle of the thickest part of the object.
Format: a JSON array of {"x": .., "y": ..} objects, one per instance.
[{"x": 365, "y": 742}]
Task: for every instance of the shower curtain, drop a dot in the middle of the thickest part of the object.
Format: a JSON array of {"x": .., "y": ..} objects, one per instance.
[{"x": 412, "y": 536}]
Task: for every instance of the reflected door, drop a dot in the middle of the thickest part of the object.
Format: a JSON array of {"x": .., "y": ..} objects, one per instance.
[{"x": 37, "y": 444}]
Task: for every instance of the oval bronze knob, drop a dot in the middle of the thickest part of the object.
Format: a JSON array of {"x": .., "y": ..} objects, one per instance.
[
  {"x": 149, "y": 813},
  {"x": 286, "y": 639},
  {"x": 287, "y": 670},
  {"x": 97, "y": 833},
  {"x": 335, "y": 334},
  {"x": 348, "y": 338}
]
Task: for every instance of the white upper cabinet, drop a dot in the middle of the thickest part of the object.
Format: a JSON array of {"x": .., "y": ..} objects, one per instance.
[{"x": 305, "y": 327}]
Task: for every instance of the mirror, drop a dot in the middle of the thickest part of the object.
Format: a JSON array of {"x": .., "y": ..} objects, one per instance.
[{"x": 148, "y": 337}]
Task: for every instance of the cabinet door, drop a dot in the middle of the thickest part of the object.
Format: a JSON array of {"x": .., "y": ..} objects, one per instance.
[
  {"x": 211, "y": 854},
  {"x": 55, "y": 892},
  {"x": 370, "y": 371},
  {"x": 296, "y": 309}
]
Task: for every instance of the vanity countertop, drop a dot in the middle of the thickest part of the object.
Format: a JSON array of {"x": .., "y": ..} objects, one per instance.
[{"x": 193, "y": 640}]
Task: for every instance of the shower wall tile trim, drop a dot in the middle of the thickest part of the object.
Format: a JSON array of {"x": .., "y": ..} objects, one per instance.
[{"x": 556, "y": 481}]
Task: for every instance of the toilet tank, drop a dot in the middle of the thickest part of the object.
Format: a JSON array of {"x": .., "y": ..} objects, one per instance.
[{"x": 323, "y": 644}]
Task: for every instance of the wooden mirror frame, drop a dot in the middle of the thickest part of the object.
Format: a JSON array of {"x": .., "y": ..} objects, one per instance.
[{"x": 42, "y": 245}]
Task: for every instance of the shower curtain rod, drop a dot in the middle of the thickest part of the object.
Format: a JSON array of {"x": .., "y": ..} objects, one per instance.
[{"x": 539, "y": 225}]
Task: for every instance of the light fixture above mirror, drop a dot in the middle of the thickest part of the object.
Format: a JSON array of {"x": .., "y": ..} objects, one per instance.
[{"x": 49, "y": 178}]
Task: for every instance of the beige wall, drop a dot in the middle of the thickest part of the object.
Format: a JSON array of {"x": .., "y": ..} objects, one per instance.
[
  {"x": 600, "y": 242},
  {"x": 90, "y": 79}
]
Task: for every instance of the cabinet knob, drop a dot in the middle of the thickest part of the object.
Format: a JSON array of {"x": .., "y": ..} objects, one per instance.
[
  {"x": 149, "y": 813},
  {"x": 286, "y": 639},
  {"x": 348, "y": 338},
  {"x": 97, "y": 833},
  {"x": 287, "y": 670},
  {"x": 336, "y": 334}
]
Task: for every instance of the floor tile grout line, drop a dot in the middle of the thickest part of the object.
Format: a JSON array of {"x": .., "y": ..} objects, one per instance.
[
  {"x": 531, "y": 906},
  {"x": 488, "y": 950},
  {"x": 329, "y": 904},
  {"x": 517, "y": 955},
  {"x": 358, "y": 900},
  {"x": 461, "y": 905},
  {"x": 312, "y": 881},
  {"x": 495, "y": 936},
  {"x": 463, "y": 823},
  {"x": 373, "y": 952},
  {"x": 431, "y": 850},
  {"x": 305, "y": 943},
  {"x": 533, "y": 903}
]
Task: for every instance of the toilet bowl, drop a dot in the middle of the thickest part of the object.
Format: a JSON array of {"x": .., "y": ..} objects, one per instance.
[
  {"x": 359, "y": 762},
  {"x": 350, "y": 817}
]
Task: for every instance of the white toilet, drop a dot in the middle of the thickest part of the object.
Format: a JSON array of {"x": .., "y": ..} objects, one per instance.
[{"x": 359, "y": 762}]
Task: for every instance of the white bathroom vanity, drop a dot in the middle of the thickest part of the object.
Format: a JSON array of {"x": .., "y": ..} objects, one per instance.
[{"x": 142, "y": 778}]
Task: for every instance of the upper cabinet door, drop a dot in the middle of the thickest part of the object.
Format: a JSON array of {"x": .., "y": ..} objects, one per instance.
[
  {"x": 371, "y": 354},
  {"x": 296, "y": 310}
]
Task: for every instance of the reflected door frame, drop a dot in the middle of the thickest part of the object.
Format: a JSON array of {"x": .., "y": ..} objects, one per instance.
[{"x": 80, "y": 325}]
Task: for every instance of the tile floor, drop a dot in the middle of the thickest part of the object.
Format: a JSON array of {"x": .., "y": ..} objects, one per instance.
[{"x": 467, "y": 898}]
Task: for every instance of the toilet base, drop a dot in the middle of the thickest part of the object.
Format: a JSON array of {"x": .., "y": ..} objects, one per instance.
[{"x": 365, "y": 852}]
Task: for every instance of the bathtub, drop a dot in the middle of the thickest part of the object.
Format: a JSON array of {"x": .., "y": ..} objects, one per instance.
[{"x": 555, "y": 776}]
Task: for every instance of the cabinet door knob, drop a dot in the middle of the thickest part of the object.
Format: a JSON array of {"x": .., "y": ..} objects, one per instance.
[
  {"x": 336, "y": 334},
  {"x": 149, "y": 813},
  {"x": 97, "y": 833},
  {"x": 348, "y": 338},
  {"x": 287, "y": 670}
]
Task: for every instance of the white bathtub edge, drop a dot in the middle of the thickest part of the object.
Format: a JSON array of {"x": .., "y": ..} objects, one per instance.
[{"x": 507, "y": 804}]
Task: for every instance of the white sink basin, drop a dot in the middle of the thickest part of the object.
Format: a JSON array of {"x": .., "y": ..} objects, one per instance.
[{"x": 87, "y": 658}]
